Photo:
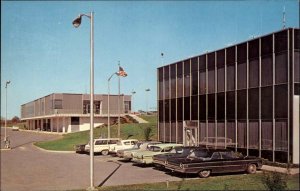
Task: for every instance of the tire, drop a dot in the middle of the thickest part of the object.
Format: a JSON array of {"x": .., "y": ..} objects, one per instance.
[
  {"x": 204, "y": 173},
  {"x": 251, "y": 169},
  {"x": 104, "y": 152}
]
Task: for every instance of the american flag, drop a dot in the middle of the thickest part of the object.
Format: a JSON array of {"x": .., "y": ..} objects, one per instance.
[{"x": 122, "y": 72}]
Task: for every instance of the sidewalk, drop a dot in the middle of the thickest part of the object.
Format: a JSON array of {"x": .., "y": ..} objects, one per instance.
[
  {"x": 139, "y": 120},
  {"x": 293, "y": 171}
]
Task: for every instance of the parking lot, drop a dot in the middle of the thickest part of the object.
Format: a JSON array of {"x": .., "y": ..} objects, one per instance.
[{"x": 26, "y": 167}]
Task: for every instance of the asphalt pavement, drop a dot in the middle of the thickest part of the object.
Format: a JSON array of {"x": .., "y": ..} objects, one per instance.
[{"x": 26, "y": 167}]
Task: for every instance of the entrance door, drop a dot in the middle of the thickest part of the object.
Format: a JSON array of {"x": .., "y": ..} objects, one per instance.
[{"x": 190, "y": 137}]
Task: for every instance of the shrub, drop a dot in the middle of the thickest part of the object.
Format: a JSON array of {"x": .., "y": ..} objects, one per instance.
[
  {"x": 274, "y": 181},
  {"x": 147, "y": 133}
]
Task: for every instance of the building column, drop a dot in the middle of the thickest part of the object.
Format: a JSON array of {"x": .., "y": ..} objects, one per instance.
[
  {"x": 56, "y": 119},
  {"x": 51, "y": 124}
]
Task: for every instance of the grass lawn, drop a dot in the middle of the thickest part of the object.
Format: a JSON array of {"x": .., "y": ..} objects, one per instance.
[
  {"x": 130, "y": 130},
  {"x": 224, "y": 182}
]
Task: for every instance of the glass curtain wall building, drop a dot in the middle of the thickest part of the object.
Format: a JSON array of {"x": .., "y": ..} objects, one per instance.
[{"x": 244, "y": 97}]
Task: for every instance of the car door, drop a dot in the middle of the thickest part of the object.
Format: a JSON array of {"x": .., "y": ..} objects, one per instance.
[
  {"x": 231, "y": 163},
  {"x": 216, "y": 163}
]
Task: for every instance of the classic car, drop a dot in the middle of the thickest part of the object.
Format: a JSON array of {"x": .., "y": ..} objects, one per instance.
[
  {"x": 102, "y": 146},
  {"x": 145, "y": 157},
  {"x": 80, "y": 148},
  {"x": 140, "y": 146},
  {"x": 206, "y": 161},
  {"x": 124, "y": 144},
  {"x": 177, "y": 152}
]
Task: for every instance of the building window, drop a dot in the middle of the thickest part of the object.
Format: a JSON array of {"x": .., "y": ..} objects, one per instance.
[
  {"x": 253, "y": 73},
  {"x": 202, "y": 82},
  {"x": 202, "y": 62},
  {"x": 167, "y": 112},
  {"x": 211, "y": 106},
  {"x": 167, "y": 132},
  {"x": 187, "y": 77},
  {"x": 266, "y": 135},
  {"x": 179, "y": 80},
  {"x": 221, "y": 130},
  {"x": 242, "y": 134},
  {"x": 187, "y": 107},
  {"x": 221, "y": 106},
  {"x": 161, "y": 131},
  {"x": 281, "y": 68},
  {"x": 173, "y": 109},
  {"x": 281, "y": 101},
  {"x": 179, "y": 109},
  {"x": 281, "y": 135},
  {"x": 231, "y": 131},
  {"x": 267, "y": 45},
  {"x": 211, "y": 129},
  {"x": 161, "y": 111},
  {"x": 242, "y": 53},
  {"x": 221, "y": 79},
  {"x": 266, "y": 102},
  {"x": 195, "y": 83},
  {"x": 242, "y": 76},
  {"x": 230, "y": 77},
  {"x": 194, "y": 107},
  {"x": 173, "y": 132},
  {"x": 74, "y": 120},
  {"x": 254, "y": 49},
  {"x": 230, "y": 55},
  {"x": 202, "y": 107},
  {"x": 127, "y": 105},
  {"x": 166, "y": 82},
  {"x": 253, "y": 103},
  {"x": 230, "y": 105},
  {"x": 160, "y": 82},
  {"x": 241, "y": 104},
  {"x": 297, "y": 66},
  {"x": 281, "y": 41},
  {"x": 253, "y": 134},
  {"x": 173, "y": 81},
  {"x": 266, "y": 71},
  {"x": 202, "y": 131},
  {"x": 57, "y": 104},
  {"x": 211, "y": 80}
]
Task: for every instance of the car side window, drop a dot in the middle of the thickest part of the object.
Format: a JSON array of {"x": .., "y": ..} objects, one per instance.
[
  {"x": 126, "y": 143},
  {"x": 227, "y": 155},
  {"x": 216, "y": 155},
  {"x": 168, "y": 149},
  {"x": 112, "y": 142},
  {"x": 101, "y": 142}
]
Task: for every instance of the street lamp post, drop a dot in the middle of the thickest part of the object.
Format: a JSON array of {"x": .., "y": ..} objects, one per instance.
[
  {"x": 108, "y": 106},
  {"x": 147, "y": 90},
  {"x": 133, "y": 92},
  {"x": 76, "y": 23},
  {"x": 5, "y": 135}
]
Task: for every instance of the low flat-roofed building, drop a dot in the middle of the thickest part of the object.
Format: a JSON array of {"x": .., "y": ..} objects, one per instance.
[{"x": 66, "y": 112}]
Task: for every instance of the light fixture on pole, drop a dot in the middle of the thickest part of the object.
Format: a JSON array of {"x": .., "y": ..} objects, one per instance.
[
  {"x": 76, "y": 23},
  {"x": 147, "y": 90},
  {"x": 121, "y": 73},
  {"x": 108, "y": 105},
  {"x": 5, "y": 135},
  {"x": 133, "y": 92}
]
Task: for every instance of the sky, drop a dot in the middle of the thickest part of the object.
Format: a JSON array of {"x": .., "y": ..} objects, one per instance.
[{"x": 42, "y": 53}]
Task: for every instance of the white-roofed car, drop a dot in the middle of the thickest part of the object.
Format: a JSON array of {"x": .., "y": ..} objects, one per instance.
[
  {"x": 102, "y": 146},
  {"x": 124, "y": 144},
  {"x": 126, "y": 154}
]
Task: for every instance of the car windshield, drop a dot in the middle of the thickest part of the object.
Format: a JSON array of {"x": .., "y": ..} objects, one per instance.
[{"x": 137, "y": 145}]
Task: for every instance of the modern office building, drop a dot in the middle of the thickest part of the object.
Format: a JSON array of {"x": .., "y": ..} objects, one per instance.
[
  {"x": 62, "y": 112},
  {"x": 244, "y": 97}
]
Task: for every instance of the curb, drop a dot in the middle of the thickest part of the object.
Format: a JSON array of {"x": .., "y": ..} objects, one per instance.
[
  {"x": 52, "y": 151},
  {"x": 5, "y": 149}
]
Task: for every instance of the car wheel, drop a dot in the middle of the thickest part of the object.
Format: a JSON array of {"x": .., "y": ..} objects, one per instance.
[
  {"x": 204, "y": 173},
  {"x": 251, "y": 169},
  {"x": 104, "y": 152}
]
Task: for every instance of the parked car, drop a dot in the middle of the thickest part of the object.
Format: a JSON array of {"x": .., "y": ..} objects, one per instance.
[
  {"x": 102, "y": 146},
  {"x": 123, "y": 144},
  {"x": 15, "y": 128},
  {"x": 140, "y": 146},
  {"x": 177, "y": 152},
  {"x": 145, "y": 157},
  {"x": 206, "y": 161},
  {"x": 80, "y": 148}
]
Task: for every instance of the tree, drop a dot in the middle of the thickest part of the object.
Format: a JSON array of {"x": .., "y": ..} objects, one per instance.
[{"x": 15, "y": 120}]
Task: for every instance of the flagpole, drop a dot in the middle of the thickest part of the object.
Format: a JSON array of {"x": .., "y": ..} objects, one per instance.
[{"x": 119, "y": 102}]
